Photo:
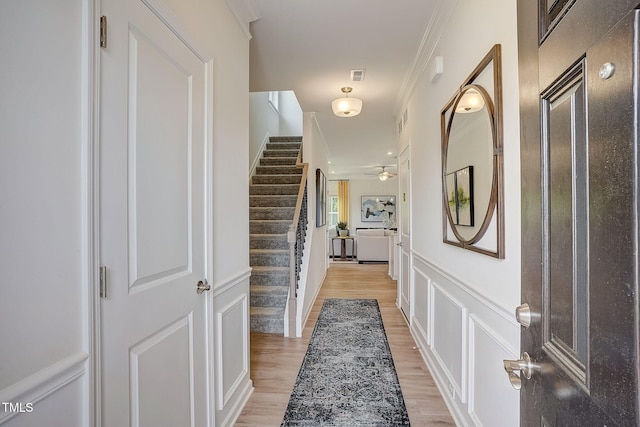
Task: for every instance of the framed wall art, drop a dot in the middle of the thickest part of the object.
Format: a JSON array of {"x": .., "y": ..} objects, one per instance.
[
  {"x": 321, "y": 198},
  {"x": 377, "y": 208}
]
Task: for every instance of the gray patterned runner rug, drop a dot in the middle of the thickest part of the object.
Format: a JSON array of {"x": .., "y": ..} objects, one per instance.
[{"x": 347, "y": 377}]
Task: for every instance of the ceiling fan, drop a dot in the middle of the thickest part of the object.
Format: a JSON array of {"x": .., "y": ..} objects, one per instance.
[{"x": 385, "y": 175}]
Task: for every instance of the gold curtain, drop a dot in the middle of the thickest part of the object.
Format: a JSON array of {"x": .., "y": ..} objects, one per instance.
[{"x": 343, "y": 201}]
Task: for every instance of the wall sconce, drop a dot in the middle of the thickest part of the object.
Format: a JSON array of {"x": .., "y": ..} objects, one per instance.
[{"x": 346, "y": 107}]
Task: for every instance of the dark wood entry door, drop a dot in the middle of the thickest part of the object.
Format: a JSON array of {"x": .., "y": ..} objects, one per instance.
[{"x": 580, "y": 200}]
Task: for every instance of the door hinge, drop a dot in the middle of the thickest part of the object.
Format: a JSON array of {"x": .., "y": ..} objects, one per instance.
[
  {"x": 103, "y": 31},
  {"x": 103, "y": 281}
]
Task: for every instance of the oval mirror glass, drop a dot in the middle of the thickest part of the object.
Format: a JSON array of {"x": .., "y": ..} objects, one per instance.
[
  {"x": 472, "y": 161},
  {"x": 469, "y": 167}
]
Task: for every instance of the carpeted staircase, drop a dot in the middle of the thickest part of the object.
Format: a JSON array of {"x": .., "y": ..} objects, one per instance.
[{"x": 272, "y": 199}]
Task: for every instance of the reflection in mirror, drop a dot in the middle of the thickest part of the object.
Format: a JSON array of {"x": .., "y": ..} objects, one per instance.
[{"x": 472, "y": 161}]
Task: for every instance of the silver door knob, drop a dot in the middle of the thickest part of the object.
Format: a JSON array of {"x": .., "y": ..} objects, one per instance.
[
  {"x": 523, "y": 315},
  {"x": 202, "y": 286},
  {"x": 517, "y": 369}
]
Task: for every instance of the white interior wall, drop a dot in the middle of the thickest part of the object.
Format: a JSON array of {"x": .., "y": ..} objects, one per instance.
[
  {"x": 364, "y": 187},
  {"x": 291, "y": 117},
  {"x": 463, "y": 301},
  {"x": 41, "y": 145},
  {"x": 44, "y": 252},
  {"x": 371, "y": 186},
  {"x": 316, "y": 154},
  {"x": 265, "y": 121}
]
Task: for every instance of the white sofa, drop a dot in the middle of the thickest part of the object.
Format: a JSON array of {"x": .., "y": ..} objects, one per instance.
[{"x": 373, "y": 244}]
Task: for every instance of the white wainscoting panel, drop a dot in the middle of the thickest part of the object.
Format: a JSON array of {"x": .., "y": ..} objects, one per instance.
[
  {"x": 231, "y": 380},
  {"x": 486, "y": 353},
  {"x": 448, "y": 317},
  {"x": 61, "y": 408},
  {"x": 234, "y": 362},
  {"x": 58, "y": 386},
  {"x": 421, "y": 303},
  {"x": 463, "y": 338}
]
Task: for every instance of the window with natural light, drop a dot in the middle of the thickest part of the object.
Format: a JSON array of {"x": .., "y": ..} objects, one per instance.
[{"x": 332, "y": 220}]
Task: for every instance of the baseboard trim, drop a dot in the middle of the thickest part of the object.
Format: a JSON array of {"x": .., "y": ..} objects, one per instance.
[
  {"x": 454, "y": 410},
  {"x": 241, "y": 402}
]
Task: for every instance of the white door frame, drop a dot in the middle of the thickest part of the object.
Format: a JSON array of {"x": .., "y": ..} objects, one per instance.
[{"x": 90, "y": 215}]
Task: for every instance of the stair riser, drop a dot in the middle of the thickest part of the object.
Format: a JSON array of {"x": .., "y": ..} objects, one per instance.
[
  {"x": 275, "y": 301},
  {"x": 267, "y": 326},
  {"x": 271, "y": 213},
  {"x": 278, "y": 201},
  {"x": 273, "y": 146},
  {"x": 257, "y": 243},
  {"x": 278, "y": 170},
  {"x": 268, "y": 228},
  {"x": 276, "y": 179},
  {"x": 269, "y": 190},
  {"x": 278, "y": 161},
  {"x": 273, "y": 260},
  {"x": 280, "y": 153},
  {"x": 294, "y": 138},
  {"x": 275, "y": 280}
]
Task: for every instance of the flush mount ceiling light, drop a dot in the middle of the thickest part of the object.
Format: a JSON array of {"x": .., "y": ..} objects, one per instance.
[
  {"x": 470, "y": 102},
  {"x": 346, "y": 107}
]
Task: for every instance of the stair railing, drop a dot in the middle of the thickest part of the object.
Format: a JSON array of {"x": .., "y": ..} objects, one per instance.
[{"x": 296, "y": 237}]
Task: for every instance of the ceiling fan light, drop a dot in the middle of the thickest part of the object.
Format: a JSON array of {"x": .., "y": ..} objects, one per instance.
[{"x": 384, "y": 175}]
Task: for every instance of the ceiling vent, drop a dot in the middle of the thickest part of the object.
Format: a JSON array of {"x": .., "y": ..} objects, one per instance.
[{"x": 357, "y": 75}]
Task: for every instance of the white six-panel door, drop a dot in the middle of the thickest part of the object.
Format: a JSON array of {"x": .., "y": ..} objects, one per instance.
[{"x": 153, "y": 172}]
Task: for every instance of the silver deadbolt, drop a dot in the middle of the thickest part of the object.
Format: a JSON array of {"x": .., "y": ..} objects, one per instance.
[
  {"x": 203, "y": 285},
  {"x": 606, "y": 70},
  {"x": 523, "y": 315},
  {"x": 517, "y": 369}
]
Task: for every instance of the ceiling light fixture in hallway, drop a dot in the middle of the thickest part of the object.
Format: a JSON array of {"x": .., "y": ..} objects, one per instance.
[{"x": 346, "y": 107}]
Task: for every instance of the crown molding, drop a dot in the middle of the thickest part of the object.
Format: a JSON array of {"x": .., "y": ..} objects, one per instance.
[
  {"x": 430, "y": 39},
  {"x": 245, "y": 12}
]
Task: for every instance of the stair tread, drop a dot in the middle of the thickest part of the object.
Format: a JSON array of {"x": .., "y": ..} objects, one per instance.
[
  {"x": 276, "y": 184},
  {"x": 268, "y": 236},
  {"x": 268, "y": 251},
  {"x": 269, "y": 268},
  {"x": 266, "y": 311},
  {"x": 269, "y": 290}
]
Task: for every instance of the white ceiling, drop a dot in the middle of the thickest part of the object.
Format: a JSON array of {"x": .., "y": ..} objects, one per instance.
[{"x": 311, "y": 46}]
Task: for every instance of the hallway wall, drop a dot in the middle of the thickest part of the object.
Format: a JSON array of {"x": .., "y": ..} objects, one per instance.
[
  {"x": 463, "y": 301},
  {"x": 315, "y": 270},
  {"x": 266, "y": 121},
  {"x": 47, "y": 258}
]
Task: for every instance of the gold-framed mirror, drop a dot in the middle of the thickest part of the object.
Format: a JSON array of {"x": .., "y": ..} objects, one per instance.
[{"x": 472, "y": 161}]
